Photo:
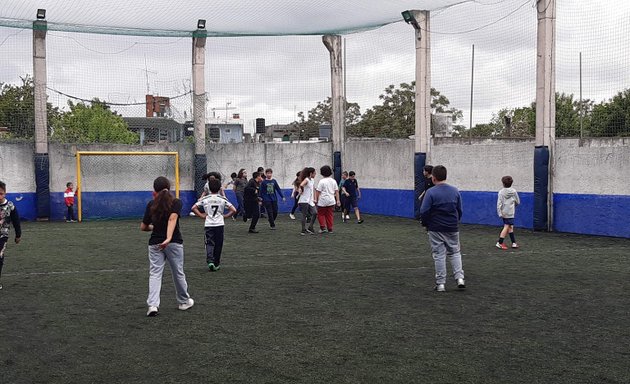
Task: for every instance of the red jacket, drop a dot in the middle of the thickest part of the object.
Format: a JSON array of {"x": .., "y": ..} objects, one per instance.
[{"x": 68, "y": 196}]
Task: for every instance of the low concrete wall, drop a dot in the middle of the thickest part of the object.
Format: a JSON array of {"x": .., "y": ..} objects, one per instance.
[
  {"x": 592, "y": 186},
  {"x": 590, "y": 177},
  {"x": 284, "y": 158}
]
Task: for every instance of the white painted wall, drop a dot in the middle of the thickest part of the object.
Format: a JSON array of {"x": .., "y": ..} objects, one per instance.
[
  {"x": 17, "y": 167},
  {"x": 600, "y": 167},
  {"x": 383, "y": 164},
  {"x": 119, "y": 173},
  {"x": 284, "y": 158},
  {"x": 480, "y": 165},
  {"x": 597, "y": 166}
]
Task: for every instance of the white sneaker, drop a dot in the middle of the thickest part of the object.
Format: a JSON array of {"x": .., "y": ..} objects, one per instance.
[
  {"x": 461, "y": 284},
  {"x": 347, "y": 217},
  {"x": 186, "y": 305},
  {"x": 153, "y": 311},
  {"x": 292, "y": 216},
  {"x": 514, "y": 245},
  {"x": 440, "y": 288}
]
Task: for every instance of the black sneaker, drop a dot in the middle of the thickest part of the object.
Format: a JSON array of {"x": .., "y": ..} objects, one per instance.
[
  {"x": 253, "y": 231},
  {"x": 360, "y": 221}
]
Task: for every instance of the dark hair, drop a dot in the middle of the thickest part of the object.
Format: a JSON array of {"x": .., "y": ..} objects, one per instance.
[
  {"x": 428, "y": 169},
  {"x": 325, "y": 171},
  {"x": 268, "y": 170},
  {"x": 214, "y": 185},
  {"x": 255, "y": 175},
  {"x": 306, "y": 172},
  {"x": 507, "y": 181},
  {"x": 240, "y": 173},
  {"x": 68, "y": 184},
  {"x": 163, "y": 201},
  {"x": 351, "y": 173},
  {"x": 233, "y": 175},
  {"x": 439, "y": 172},
  {"x": 3, "y": 186},
  {"x": 214, "y": 174},
  {"x": 298, "y": 173},
  {"x": 260, "y": 169}
]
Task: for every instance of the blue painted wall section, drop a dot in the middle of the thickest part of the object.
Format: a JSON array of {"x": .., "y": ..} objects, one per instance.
[
  {"x": 26, "y": 204},
  {"x": 113, "y": 205},
  {"x": 481, "y": 208},
  {"x": 606, "y": 215}
]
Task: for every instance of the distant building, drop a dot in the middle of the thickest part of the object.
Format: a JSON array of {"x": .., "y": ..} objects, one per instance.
[
  {"x": 224, "y": 133},
  {"x": 325, "y": 132},
  {"x": 158, "y": 106},
  {"x": 284, "y": 132},
  {"x": 155, "y": 129}
]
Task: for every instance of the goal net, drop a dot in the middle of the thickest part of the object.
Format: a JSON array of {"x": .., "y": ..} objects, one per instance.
[{"x": 119, "y": 184}]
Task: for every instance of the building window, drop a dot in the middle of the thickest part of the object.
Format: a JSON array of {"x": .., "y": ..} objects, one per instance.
[{"x": 227, "y": 131}]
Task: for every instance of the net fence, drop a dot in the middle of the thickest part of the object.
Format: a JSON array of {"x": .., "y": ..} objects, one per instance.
[
  {"x": 137, "y": 82},
  {"x": 120, "y": 185}
]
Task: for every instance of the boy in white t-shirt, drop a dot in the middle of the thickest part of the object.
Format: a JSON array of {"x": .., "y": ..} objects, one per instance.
[
  {"x": 326, "y": 198},
  {"x": 214, "y": 207}
]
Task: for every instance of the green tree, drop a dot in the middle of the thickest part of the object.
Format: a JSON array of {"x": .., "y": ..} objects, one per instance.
[
  {"x": 17, "y": 108},
  {"x": 94, "y": 123},
  {"x": 322, "y": 114},
  {"x": 612, "y": 118},
  {"x": 395, "y": 117}
]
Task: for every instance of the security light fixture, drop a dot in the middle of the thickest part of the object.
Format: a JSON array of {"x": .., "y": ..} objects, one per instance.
[
  {"x": 41, "y": 14},
  {"x": 410, "y": 19},
  {"x": 201, "y": 24}
]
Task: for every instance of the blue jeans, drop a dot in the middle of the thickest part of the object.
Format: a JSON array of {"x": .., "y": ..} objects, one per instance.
[{"x": 443, "y": 245}]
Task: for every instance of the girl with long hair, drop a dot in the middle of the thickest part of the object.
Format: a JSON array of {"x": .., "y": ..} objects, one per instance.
[{"x": 161, "y": 218}]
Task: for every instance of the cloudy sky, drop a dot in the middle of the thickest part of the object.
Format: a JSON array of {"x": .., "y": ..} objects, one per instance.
[{"x": 277, "y": 76}]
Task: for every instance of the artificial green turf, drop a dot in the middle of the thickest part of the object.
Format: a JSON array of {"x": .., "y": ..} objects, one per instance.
[{"x": 355, "y": 306}]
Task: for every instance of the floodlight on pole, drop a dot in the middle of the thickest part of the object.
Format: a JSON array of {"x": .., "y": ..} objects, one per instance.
[
  {"x": 41, "y": 14},
  {"x": 410, "y": 19},
  {"x": 201, "y": 24}
]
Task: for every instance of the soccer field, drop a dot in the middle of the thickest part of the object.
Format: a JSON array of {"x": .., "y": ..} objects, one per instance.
[{"x": 356, "y": 306}]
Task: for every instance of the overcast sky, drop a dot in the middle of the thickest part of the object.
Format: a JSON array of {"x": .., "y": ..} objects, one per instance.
[{"x": 277, "y": 76}]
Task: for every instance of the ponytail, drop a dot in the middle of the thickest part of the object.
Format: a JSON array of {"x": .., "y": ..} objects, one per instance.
[{"x": 163, "y": 200}]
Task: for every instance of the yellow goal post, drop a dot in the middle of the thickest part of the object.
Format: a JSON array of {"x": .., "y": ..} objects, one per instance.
[{"x": 80, "y": 155}]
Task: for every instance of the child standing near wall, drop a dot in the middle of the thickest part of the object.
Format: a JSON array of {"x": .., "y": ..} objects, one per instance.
[
  {"x": 214, "y": 207},
  {"x": 506, "y": 208},
  {"x": 68, "y": 197},
  {"x": 307, "y": 205},
  {"x": 353, "y": 194},
  {"x": 342, "y": 197},
  {"x": 8, "y": 215},
  {"x": 295, "y": 195},
  {"x": 326, "y": 198},
  {"x": 269, "y": 188}
]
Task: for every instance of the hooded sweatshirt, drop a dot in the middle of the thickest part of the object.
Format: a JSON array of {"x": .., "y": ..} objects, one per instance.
[{"x": 507, "y": 202}]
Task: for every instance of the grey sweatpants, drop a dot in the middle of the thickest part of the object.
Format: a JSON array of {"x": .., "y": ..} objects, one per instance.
[
  {"x": 174, "y": 254},
  {"x": 443, "y": 245}
]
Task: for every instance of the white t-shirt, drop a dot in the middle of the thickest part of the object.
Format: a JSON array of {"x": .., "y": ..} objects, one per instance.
[
  {"x": 327, "y": 187},
  {"x": 214, "y": 205},
  {"x": 307, "y": 194}
]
